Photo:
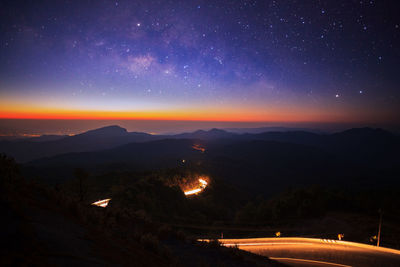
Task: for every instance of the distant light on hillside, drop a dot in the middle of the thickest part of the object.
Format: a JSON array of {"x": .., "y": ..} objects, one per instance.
[{"x": 199, "y": 148}]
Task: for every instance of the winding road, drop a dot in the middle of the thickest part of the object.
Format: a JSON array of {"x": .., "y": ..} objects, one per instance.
[{"x": 296, "y": 251}]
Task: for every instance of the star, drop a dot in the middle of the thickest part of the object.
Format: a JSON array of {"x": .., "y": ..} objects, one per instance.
[{"x": 204, "y": 51}]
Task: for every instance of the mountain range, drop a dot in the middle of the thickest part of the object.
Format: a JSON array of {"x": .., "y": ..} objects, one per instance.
[
  {"x": 360, "y": 144},
  {"x": 262, "y": 162}
]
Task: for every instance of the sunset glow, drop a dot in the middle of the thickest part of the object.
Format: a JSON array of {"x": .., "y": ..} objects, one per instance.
[
  {"x": 208, "y": 113},
  {"x": 236, "y": 67}
]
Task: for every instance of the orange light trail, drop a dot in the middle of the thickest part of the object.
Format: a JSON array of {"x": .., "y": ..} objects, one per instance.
[
  {"x": 102, "y": 203},
  {"x": 199, "y": 148},
  {"x": 325, "y": 252},
  {"x": 202, "y": 185}
]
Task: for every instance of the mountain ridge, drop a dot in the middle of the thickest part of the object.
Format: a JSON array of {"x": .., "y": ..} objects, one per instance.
[{"x": 113, "y": 136}]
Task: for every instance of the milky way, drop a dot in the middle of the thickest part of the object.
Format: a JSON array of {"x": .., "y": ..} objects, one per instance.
[{"x": 218, "y": 60}]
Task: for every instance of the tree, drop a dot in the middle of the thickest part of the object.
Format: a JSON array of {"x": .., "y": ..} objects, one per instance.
[{"x": 8, "y": 170}]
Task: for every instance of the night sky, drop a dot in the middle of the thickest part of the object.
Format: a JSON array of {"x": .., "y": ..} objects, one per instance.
[{"x": 279, "y": 61}]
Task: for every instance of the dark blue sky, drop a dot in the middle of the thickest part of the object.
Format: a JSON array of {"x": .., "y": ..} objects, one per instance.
[{"x": 317, "y": 61}]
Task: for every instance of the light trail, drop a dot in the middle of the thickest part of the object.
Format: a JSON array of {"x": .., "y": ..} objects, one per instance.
[
  {"x": 302, "y": 241},
  {"x": 192, "y": 192},
  {"x": 102, "y": 203},
  {"x": 309, "y": 261},
  {"x": 199, "y": 148},
  {"x": 202, "y": 185},
  {"x": 264, "y": 244},
  {"x": 299, "y": 251}
]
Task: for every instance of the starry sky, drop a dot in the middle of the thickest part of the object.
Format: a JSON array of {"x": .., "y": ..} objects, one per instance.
[{"x": 261, "y": 61}]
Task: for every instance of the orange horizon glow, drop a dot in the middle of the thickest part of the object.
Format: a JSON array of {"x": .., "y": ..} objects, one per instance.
[
  {"x": 177, "y": 115},
  {"x": 230, "y": 111}
]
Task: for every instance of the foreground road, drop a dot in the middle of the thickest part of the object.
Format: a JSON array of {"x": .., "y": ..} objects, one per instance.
[{"x": 295, "y": 251}]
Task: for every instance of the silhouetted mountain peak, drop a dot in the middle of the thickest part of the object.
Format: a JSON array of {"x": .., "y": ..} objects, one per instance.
[
  {"x": 202, "y": 134},
  {"x": 215, "y": 130},
  {"x": 197, "y": 132},
  {"x": 213, "y": 133},
  {"x": 113, "y": 130},
  {"x": 260, "y": 130}
]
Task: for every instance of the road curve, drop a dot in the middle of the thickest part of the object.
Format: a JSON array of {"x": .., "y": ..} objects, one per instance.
[
  {"x": 303, "y": 262},
  {"x": 297, "y": 251}
]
